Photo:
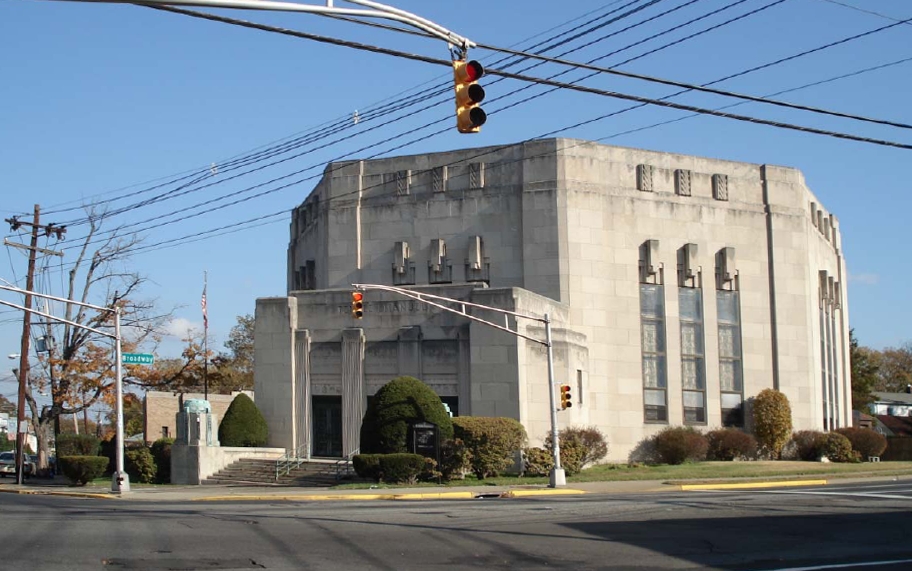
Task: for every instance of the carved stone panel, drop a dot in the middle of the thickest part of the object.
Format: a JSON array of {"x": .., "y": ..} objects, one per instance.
[
  {"x": 720, "y": 186},
  {"x": 682, "y": 182},
  {"x": 645, "y": 178}
]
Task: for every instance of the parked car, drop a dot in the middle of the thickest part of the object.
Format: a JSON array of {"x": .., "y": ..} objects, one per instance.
[{"x": 8, "y": 465}]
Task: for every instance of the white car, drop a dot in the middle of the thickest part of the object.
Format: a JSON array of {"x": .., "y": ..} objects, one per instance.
[{"x": 8, "y": 465}]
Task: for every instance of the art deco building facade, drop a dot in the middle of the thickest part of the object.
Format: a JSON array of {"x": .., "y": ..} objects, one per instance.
[{"x": 679, "y": 287}]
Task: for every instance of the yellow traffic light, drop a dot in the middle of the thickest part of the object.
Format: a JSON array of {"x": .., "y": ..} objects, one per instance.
[
  {"x": 469, "y": 116},
  {"x": 357, "y": 304},
  {"x": 566, "y": 397}
]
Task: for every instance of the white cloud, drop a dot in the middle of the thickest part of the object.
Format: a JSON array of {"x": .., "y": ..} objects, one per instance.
[
  {"x": 179, "y": 326},
  {"x": 869, "y": 279}
]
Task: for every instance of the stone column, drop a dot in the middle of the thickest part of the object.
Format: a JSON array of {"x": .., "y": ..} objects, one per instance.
[
  {"x": 352, "y": 390},
  {"x": 464, "y": 372},
  {"x": 303, "y": 393},
  {"x": 410, "y": 351}
]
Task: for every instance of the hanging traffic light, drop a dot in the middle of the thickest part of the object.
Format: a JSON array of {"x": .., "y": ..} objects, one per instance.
[
  {"x": 469, "y": 116},
  {"x": 566, "y": 397},
  {"x": 357, "y": 304}
]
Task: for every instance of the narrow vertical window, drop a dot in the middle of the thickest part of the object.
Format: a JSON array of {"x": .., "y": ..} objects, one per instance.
[
  {"x": 693, "y": 366},
  {"x": 652, "y": 319},
  {"x": 731, "y": 372},
  {"x": 823, "y": 367}
]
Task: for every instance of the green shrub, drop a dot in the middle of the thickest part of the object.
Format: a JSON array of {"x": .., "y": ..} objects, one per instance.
[
  {"x": 77, "y": 445},
  {"x": 808, "y": 445},
  {"x": 729, "y": 444},
  {"x": 679, "y": 444},
  {"x": 109, "y": 451},
  {"x": 399, "y": 403},
  {"x": 367, "y": 466},
  {"x": 772, "y": 416},
  {"x": 243, "y": 424},
  {"x": 838, "y": 448},
  {"x": 492, "y": 442},
  {"x": 454, "y": 459},
  {"x": 140, "y": 465},
  {"x": 572, "y": 451},
  {"x": 865, "y": 441},
  {"x": 161, "y": 454},
  {"x": 587, "y": 443},
  {"x": 401, "y": 468},
  {"x": 537, "y": 462},
  {"x": 82, "y": 469}
]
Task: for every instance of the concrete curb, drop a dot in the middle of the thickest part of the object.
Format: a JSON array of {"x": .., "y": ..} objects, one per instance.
[
  {"x": 753, "y": 485},
  {"x": 32, "y": 492},
  {"x": 391, "y": 497}
]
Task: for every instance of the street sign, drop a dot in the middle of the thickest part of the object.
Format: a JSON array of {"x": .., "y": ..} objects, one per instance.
[{"x": 137, "y": 358}]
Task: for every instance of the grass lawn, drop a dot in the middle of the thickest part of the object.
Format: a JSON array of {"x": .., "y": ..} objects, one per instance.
[{"x": 700, "y": 472}]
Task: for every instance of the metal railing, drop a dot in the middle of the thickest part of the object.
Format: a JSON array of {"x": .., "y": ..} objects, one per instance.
[
  {"x": 343, "y": 467},
  {"x": 289, "y": 461}
]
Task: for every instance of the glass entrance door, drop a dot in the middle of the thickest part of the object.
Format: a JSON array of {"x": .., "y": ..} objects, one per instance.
[{"x": 327, "y": 426}]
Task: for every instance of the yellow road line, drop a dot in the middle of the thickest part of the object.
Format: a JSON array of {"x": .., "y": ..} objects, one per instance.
[{"x": 750, "y": 485}]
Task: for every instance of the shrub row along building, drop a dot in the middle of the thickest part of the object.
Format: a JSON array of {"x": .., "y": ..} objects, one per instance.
[{"x": 678, "y": 286}]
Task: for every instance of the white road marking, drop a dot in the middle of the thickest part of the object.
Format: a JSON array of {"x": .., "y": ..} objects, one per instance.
[{"x": 844, "y": 565}]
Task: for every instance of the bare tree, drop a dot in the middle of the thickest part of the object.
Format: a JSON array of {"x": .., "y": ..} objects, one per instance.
[{"x": 79, "y": 370}]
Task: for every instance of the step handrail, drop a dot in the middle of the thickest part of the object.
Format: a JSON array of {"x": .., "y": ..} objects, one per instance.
[
  {"x": 344, "y": 465},
  {"x": 289, "y": 461}
]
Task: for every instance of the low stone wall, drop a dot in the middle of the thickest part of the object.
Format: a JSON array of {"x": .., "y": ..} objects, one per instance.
[{"x": 190, "y": 465}]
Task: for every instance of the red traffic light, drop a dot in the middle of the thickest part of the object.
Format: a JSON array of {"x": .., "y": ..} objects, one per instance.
[
  {"x": 357, "y": 304},
  {"x": 469, "y": 116}
]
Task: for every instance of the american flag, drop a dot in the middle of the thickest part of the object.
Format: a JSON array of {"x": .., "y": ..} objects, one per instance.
[{"x": 205, "y": 314}]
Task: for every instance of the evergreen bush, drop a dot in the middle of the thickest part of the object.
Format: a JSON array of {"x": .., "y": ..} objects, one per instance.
[
  {"x": 401, "y": 468},
  {"x": 865, "y": 441},
  {"x": 772, "y": 416},
  {"x": 838, "y": 448},
  {"x": 492, "y": 442},
  {"x": 243, "y": 424},
  {"x": 161, "y": 453},
  {"x": 537, "y": 462},
  {"x": 77, "y": 445},
  {"x": 398, "y": 404},
  {"x": 454, "y": 459},
  {"x": 82, "y": 469},
  {"x": 808, "y": 445},
  {"x": 679, "y": 444},
  {"x": 140, "y": 465},
  {"x": 367, "y": 466},
  {"x": 729, "y": 444}
]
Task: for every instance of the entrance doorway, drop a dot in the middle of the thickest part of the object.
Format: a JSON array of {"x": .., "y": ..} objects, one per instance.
[{"x": 327, "y": 426}]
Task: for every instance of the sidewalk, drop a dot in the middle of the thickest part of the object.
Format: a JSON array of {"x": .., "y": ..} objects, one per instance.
[{"x": 59, "y": 487}]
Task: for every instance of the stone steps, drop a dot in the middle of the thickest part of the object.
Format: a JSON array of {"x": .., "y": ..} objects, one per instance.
[{"x": 262, "y": 472}]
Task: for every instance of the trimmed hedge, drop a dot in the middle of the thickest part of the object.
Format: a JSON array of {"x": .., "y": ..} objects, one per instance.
[
  {"x": 140, "y": 465},
  {"x": 243, "y": 424},
  {"x": 399, "y": 403},
  {"x": 77, "y": 445},
  {"x": 772, "y": 416},
  {"x": 808, "y": 444},
  {"x": 161, "y": 454},
  {"x": 865, "y": 441},
  {"x": 390, "y": 468},
  {"x": 82, "y": 469},
  {"x": 679, "y": 444},
  {"x": 491, "y": 442},
  {"x": 729, "y": 444},
  {"x": 838, "y": 448}
]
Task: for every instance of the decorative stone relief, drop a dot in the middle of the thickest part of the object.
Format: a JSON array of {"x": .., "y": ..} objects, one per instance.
[
  {"x": 403, "y": 182},
  {"x": 720, "y": 186},
  {"x": 682, "y": 182},
  {"x": 644, "y": 178},
  {"x": 439, "y": 178},
  {"x": 476, "y": 175}
]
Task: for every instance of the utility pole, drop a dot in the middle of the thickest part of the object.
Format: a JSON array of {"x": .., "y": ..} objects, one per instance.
[{"x": 21, "y": 428}]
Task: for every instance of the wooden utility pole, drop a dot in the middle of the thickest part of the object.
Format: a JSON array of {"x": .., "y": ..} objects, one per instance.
[{"x": 33, "y": 248}]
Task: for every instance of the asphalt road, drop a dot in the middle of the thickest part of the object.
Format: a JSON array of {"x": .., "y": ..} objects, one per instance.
[{"x": 857, "y": 527}]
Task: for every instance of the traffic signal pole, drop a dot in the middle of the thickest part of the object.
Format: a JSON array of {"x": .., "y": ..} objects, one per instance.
[
  {"x": 120, "y": 481},
  {"x": 557, "y": 476}
]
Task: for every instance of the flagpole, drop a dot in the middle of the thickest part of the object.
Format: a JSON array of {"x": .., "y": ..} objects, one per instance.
[{"x": 205, "y": 338}]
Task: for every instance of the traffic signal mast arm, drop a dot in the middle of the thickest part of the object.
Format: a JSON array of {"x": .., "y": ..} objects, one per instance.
[
  {"x": 557, "y": 476},
  {"x": 377, "y": 10}
]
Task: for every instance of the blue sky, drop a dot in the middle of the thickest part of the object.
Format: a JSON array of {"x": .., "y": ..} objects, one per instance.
[{"x": 97, "y": 100}]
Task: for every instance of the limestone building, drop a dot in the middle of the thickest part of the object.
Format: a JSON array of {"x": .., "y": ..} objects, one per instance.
[{"x": 679, "y": 287}]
